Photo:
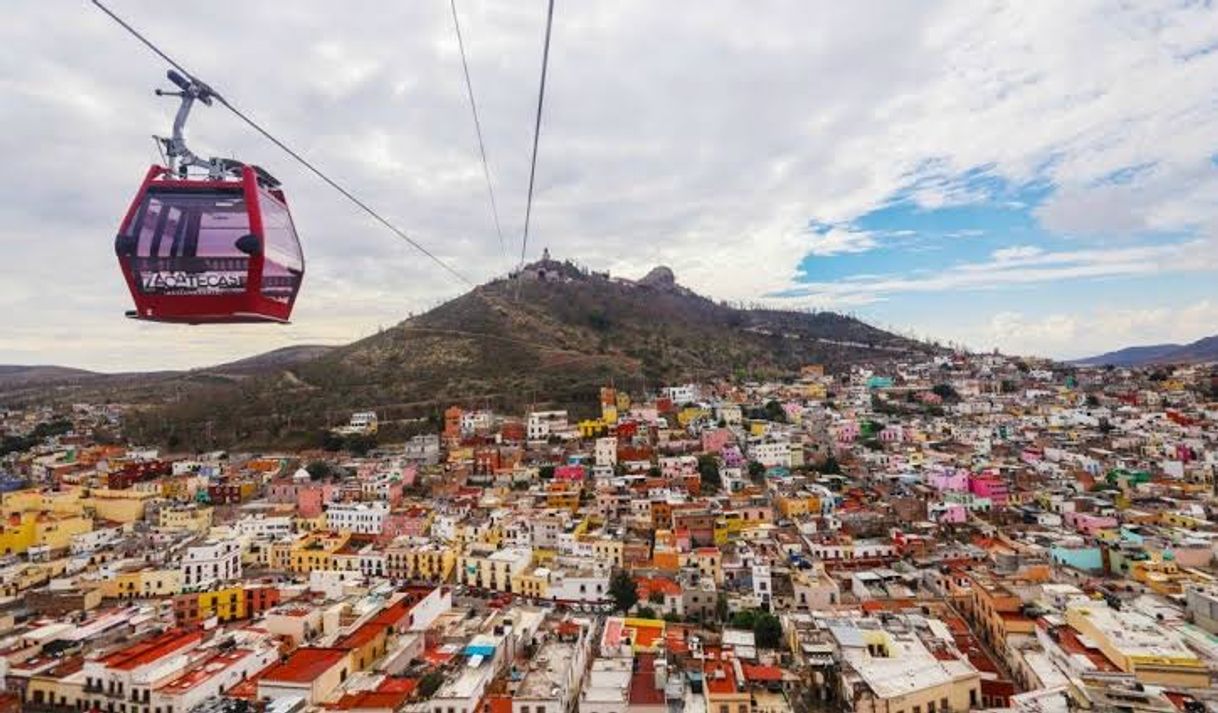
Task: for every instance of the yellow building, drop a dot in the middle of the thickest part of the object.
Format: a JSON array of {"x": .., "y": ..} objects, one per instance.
[
  {"x": 64, "y": 502},
  {"x": 689, "y": 414},
  {"x": 226, "y": 603},
  {"x": 125, "y": 506},
  {"x": 142, "y": 583},
  {"x": 21, "y": 531},
  {"x": 1137, "y": 644},
  {"x": 533, "y": 582},
  {"x": 430, "y": 562},
  {"x": 190, "y": 518},
  {"x": 563, "y": 498},
  {"x": 316, "y": 550},
  {"x": 798, "y": 505},
  {"x": 593, "y": 427},
  {"x": 309, "y": 524}
]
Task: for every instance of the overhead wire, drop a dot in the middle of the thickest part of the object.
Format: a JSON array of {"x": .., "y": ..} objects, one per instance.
[
  {"x": 541, "y": 97},
  {"x": 284, "y": 147},
  {"x": 473, "y": 107}
]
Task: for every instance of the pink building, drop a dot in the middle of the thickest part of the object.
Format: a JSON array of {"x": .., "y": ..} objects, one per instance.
[
  {"x": 989, "y": 486},
  {"x": 311, "y": 499},
  {"x": 949, "y": 480},
  {"x": 570, "y": 473},
  {"x": 732, "y": 457},
  {"x": 1088, "y": 523},
  {"x": 847, "y": 432},
  {"x": 947, "y": 513},
  {"x": 411, "y": 521},
  {"x": 714, "y": 439}
]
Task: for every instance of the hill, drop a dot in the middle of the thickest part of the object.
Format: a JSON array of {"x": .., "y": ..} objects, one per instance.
[
  {"x": 1202, "y": 350},
  {"x": 550, "y": 338}
]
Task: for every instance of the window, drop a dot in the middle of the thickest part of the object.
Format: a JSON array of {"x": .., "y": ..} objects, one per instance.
[{"x": 917, "y": 709}]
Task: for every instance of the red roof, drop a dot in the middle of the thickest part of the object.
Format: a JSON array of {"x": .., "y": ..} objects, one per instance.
[
  {"x": 362, "y": 636},
  {"x": 370, "y": 699},
  {"x": 398, "y": 685},
  {"x": 151, "y": 650},
  {"x": 761, "y": 673},
  {"x": 714, "y": 684},
  {"x": 643, "y": 691},
  {"x": 305, "y": 665}
]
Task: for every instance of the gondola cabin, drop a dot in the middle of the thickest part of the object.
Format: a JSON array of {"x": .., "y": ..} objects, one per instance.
[{"x": 210, "y": 251}]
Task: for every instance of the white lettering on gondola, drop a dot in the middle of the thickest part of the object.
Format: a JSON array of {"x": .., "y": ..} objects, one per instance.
[{"x": 192, "y": 282}]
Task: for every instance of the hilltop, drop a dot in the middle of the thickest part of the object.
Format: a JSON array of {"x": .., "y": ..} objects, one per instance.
[{"x": 552, "y": 336}]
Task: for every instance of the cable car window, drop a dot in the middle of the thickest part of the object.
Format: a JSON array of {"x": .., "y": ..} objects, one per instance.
[
  {"x": 186, "y": 243},
  {"x": 283, "y": 264}
]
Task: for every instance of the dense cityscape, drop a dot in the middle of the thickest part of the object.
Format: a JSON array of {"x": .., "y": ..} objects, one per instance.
[{"x": 960, "y": 532}]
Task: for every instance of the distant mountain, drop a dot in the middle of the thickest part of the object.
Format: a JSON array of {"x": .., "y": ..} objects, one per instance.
[
  {"x": 551, "y": 337},
  {"x": 1202, "y": 350},
  {"x": 18, "y": 375},
  {"x": 19, "y": 384}
]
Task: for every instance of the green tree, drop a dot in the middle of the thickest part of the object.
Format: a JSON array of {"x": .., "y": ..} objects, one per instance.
[
  {"x": 831, "y": 466},
  {"x": 721, "y": 607},
  {"x": 645, "y": 613},
  {"x": 623, "y": 590},
  {"x": 546, "y": 472},
  {"x": 944, "y": 391},
  {"x": 430, "y": 683},
  {"x": 708, "y": 470},
  {"x": 768, "y": 630},
  {"x": 756, "y": 471},
  {"x": 319, "y": 470},
  {"x": 746, "y": 619}
]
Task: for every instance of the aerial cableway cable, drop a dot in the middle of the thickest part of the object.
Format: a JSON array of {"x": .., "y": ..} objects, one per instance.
[
  {"x": 541, "y": 96},
  {"x": 473, "y": 107},
  {"x": 284, "y": 147}
]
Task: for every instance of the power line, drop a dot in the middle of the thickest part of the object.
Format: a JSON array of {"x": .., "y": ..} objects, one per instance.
[
  {"x": 284, "y": 147},
  {"x": 541, "y": 96},
  {"x": 473, "y": 107}
]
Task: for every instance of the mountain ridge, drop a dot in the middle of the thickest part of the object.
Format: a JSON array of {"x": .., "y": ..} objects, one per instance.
[
  {"x": 550, "y": 336},
  {"x": 1199, "y": 351}
]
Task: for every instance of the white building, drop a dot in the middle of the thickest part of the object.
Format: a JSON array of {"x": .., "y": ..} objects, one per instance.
[
  {"x": 763, "y": 585},
  {"x": 359, "y": 518},
  {"x": 542, "y": 424},
  {"x": 473, "y": 422},
  {"x": 771, "y": 453},
  {"x": 263, "y": 527},
  {"x": 682, "y": 394},
  {"x": 606, "y": 451},
  {"x": 209, "y": 563}
]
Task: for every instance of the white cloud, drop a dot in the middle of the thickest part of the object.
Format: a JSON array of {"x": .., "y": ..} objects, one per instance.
[
  {"x": 704, "y": 137},
  {"x": 1012, "y": 266},
  {"x": 1017, "y": 252},
  {"x": 1083, "y": 334},
  {"x": 838, "y": 241}
]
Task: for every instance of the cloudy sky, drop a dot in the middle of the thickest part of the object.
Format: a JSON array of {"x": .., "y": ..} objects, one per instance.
[{"x": 1040, "y": 177}]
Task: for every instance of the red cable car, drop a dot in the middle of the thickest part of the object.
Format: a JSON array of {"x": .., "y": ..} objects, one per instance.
[{"x": 218, "y": 249}]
